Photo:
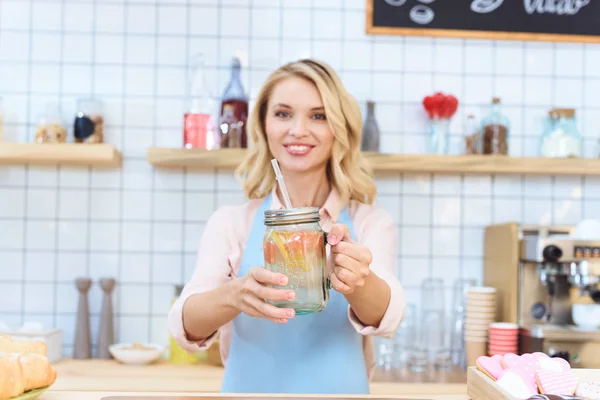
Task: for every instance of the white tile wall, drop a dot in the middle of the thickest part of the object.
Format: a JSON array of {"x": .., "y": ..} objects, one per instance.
[{"x": 143, "y": 225}]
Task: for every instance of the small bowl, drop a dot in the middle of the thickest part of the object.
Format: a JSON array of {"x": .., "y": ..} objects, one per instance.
[
  {"x": 586, "y": 316},
  {"x": 136, "y": 353}
]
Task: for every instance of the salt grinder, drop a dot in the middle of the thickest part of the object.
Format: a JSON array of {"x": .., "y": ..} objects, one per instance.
[
  {"x": 106, "y": 334},
  {"x": 83, "y": 344}
]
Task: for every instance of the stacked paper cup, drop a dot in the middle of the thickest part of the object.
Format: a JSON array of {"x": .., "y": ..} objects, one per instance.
[
  {"x": 504, "y": 338},
  {"x": 481, "y": 312}
]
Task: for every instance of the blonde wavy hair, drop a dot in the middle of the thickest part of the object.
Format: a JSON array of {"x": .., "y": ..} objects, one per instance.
[{"x": 347, "y": 170}]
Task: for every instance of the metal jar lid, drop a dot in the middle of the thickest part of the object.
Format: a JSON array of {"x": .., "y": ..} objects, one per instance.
[{"x": 300, "y": 215}]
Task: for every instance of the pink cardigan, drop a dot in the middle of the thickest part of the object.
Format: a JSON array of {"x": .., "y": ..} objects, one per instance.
[{"x": 223, "y": 243}]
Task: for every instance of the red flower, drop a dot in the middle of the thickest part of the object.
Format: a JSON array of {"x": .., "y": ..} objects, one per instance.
[{"x": 440, "y": 105}]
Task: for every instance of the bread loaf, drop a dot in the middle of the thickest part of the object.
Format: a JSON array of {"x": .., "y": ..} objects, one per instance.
[
  {"x": 10, "y": 345},
  {"x": 11, "y": 377},
  {"x": 23, "y": 367},
  {"x": 37, "y": 371}
]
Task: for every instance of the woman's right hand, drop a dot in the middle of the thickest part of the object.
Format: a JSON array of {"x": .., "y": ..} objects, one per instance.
[{"x": 253, "y": 291}]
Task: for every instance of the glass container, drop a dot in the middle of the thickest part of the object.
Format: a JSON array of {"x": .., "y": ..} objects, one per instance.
[
  {"x": 1, "y": 121},
  {"x": 50, "y": 127},
  {"x": 89, "y": 123},
  {"x": 472, "y": 136},
  {"x": 561, "y": 137},
  {"x": 294, "y": 245},
  {"x": 495, "y": 130},
  {"x": 198, "y": 129},
  {"x": 429, "y": 343},
  {"x": 459, "y": 304},
  {"x": 234, "y": 110},
  {"x": 439, "y": 132},
  {"x": 370, "y": 133}
]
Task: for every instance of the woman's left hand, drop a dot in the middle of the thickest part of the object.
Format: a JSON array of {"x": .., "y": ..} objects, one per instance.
[{"x": 351, "y": 260}]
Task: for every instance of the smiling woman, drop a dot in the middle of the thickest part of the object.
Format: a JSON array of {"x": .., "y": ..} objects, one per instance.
[
  {"x": 305, "y": 104},
  {"x": 308, "y": 122}
]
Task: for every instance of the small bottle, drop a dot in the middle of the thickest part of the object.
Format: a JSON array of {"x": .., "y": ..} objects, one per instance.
[
  {"x": 1, "y": 121},
  {"x": 472, "y": 136},
  {"x": 370, "y": 134},
  {"x": 495, "y": 130},
  {"x": 177, "y": 355},
  {"x": 197, "y": 120},
  {"x": 234, "y": 110}
]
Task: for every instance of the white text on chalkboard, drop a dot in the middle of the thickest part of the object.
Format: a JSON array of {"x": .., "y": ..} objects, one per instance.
[{"x": 559, "y": 7}]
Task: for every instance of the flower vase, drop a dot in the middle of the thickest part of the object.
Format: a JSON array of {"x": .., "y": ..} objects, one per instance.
[{"x": 439, "y": 132}]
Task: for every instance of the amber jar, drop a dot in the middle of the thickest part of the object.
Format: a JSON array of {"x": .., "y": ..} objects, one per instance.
[{"x": 495, "y": 131}]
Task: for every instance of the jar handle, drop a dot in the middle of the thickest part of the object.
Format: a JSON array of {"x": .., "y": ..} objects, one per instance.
[{"x": 327, "y": 280}]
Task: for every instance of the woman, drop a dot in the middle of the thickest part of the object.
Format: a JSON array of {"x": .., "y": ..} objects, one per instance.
[{"x": 305, "y": 119}]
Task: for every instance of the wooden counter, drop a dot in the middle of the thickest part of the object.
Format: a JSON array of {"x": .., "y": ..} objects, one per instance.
[
  {"x": 53, "y": 395},
  {"x": 99, "y": 377}
]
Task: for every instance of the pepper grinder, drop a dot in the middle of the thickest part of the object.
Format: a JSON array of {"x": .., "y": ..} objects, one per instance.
[
  {"x": 83, "y": 344},
  {"x": 106, "y": 333}
]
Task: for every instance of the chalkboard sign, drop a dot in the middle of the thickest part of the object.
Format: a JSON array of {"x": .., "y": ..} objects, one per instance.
[{"x": 542, "y": 20}]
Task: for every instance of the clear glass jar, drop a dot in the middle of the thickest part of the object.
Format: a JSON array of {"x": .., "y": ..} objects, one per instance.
[
  {"x": 89, "y": 123},
  {"x": 294, "y": 245},
  {"x": 495, "y": 130},
  {"x": 561, "y": 137},
  {"x": 50, "y": 127}
]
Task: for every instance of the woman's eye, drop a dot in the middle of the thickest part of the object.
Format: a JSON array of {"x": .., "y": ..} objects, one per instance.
[
  {"x": 282, "y": 114},
  {"x": 319, "y": 116}
]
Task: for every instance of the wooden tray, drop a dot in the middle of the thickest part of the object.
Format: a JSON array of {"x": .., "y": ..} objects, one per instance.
[{"x": 481, "y": 387}]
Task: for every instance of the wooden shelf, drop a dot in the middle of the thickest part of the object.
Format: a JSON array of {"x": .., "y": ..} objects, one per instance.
[
  {"x": 425, "y": 163},
  {"x": 195, "y": 158},
  {"x": 101, "y": 155}
]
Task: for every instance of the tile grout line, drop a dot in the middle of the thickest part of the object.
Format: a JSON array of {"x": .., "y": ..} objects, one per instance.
[
  {"x": 59, "y": 169},
  {"x": 185, "y": 171},
  {"x": 153, "y": 202},
  {"x": 26, "y": 169},
  {"x": 117, "y": 304}
]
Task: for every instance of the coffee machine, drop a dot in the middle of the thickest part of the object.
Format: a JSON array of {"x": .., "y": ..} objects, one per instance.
[{"x": 540, "y": 272}]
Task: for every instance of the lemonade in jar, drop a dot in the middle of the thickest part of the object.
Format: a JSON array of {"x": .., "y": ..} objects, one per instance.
[{"x": 294, "y": 245}]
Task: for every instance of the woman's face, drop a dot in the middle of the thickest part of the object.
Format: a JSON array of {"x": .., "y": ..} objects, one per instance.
[{"x": 296, "y": 126}]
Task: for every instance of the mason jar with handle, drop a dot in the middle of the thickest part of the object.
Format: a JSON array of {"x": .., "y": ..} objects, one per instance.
[{"x": 294, "y": 245}]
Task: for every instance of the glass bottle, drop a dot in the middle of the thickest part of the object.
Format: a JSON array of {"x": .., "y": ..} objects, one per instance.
[
  {"x": 197, "y": 120},
  {"x": 50, "y": 127},
  {"x": 561, "y": 137},
  {"x": 177, "y": 355},
  {"x": 370, "y": 134},
  {"x": 294, "y": 245},
  {"x": 234, "y": 110},
  {"x": 89, "y": 123},
  {"x": 495, "y": 130},
  {"x": 1, "y": 121},
  {"x": 472, "y": 136}
]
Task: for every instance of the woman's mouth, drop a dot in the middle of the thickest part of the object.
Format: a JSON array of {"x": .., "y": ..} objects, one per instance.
[{"x": 298, "y": 149}]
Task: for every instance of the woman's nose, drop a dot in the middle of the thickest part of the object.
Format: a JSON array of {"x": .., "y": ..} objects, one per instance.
[{"x": 299, "y": 129}]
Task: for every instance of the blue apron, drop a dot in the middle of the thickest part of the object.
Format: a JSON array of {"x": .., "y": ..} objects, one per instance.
[{"x": 312, "y": 354}]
